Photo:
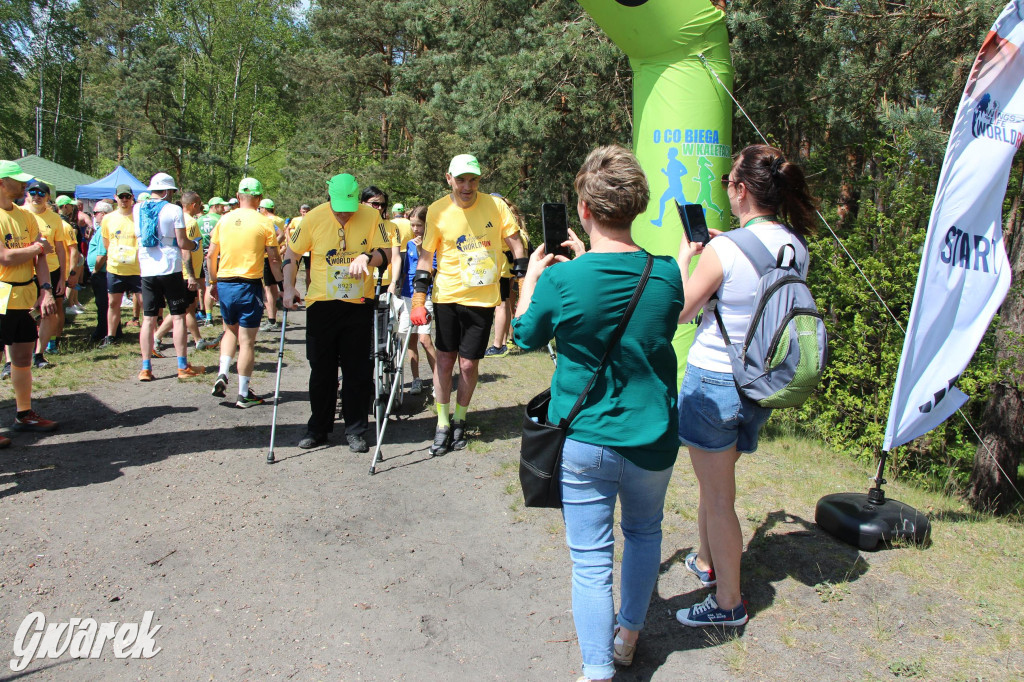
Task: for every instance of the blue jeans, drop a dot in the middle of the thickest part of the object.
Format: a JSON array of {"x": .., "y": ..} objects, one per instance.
[{"x": 592, "y": 477}]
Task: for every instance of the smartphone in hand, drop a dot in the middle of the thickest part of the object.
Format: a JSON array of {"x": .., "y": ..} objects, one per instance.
[
  {"x": 694, "y": 223},
  {"x": 555, "y": 222}
]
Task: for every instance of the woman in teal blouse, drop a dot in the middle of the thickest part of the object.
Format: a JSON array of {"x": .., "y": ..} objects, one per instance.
[{"x": 623, "y": 443}]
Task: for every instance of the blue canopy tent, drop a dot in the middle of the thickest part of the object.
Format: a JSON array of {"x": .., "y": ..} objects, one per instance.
[{"x": 104, "y": 189}]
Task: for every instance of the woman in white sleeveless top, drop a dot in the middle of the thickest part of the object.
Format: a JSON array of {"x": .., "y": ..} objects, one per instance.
[{"x": 770, "y": 197}]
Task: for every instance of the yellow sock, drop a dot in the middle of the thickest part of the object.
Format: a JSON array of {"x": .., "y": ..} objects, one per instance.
[
  {"x": 460, "y": 412},
  {"x": 442, "y": 415}
]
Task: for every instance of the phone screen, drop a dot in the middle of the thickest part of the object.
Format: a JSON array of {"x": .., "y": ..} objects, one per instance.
[
  {"x": 692, "y": 216},
  {"x": 555, "y": 221}
]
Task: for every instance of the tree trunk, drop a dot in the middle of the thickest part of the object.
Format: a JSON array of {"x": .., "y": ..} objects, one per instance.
[{"x": 992, "y": 489}]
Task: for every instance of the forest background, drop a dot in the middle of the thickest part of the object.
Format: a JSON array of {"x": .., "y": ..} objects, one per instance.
[{"x": 863, "y": 94}]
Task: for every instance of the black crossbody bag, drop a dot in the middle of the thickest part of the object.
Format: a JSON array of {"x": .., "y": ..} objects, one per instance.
[{"x": 540, "y": 453}]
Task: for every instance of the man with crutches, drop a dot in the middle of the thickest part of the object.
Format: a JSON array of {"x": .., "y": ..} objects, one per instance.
[{"x": 345, "y": 240}]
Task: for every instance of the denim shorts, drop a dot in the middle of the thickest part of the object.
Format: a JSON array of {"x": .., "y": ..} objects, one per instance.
[{"x": 713, "y": 416}]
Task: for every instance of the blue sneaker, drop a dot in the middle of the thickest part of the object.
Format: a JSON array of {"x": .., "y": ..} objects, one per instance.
[
  {"x": 708, "y": 613},
  {"x": 706, "y": 578},
  {"x": 51, "y": 347}
]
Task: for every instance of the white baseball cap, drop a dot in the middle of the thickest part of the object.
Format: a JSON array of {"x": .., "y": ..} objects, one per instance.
[{"x": 161, "y": 182}]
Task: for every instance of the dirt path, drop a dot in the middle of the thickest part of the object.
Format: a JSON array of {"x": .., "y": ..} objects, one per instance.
[{"x": 156, "y": 497}]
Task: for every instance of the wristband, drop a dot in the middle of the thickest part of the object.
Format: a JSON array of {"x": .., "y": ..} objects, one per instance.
[
  {"x": 419, "y": 299},
  {"x": 421, "y": 282},
  {"x": 519, "y": 266}
]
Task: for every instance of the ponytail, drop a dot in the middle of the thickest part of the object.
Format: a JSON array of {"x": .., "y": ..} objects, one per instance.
[{"x": 778, "y": 185}]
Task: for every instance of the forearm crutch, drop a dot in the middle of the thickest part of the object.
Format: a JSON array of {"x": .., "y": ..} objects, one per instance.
[
  {"x": 277, "y": 388},
  {"x": 395, "y": 384}
]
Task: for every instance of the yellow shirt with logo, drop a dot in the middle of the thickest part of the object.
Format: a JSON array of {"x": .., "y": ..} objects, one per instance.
[
  {"x": 321, "y": 234},
  {"x": 193, "y": 233},
  {"x": 469, "y": 244},
  {"x": 122, "y": 247},
  {"x": 243, "y": 236},
  {"x": 18, "y": 229},
  {"x": 53, "y": 228}
]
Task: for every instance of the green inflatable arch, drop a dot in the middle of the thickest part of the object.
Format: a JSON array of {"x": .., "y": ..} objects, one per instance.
[{"x": 682, "y": 118}]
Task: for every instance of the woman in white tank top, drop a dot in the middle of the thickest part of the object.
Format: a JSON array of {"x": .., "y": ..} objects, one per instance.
[{"x": 770, "y": 197}]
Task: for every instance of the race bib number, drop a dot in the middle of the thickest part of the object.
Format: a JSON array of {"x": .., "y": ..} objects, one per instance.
[
  {"x": 122, "y": 255},
  {"x": 478, "y": 268},
  {"x": 340, "y": 286},
  {"x": 5, "y": 296}
]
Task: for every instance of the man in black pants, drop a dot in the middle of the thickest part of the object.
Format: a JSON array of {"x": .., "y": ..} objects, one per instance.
[
  {"x": 345, "y": 240},
  {"x": 96, "y": 261}
]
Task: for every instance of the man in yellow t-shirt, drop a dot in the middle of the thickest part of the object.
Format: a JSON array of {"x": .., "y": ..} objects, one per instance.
[
  {"x": 238, "y": 245},
  {"x": 53, "y": 229},
  {"x": 271, "y": 288},
  {"x": 345, "y": 240},
  {"x": 191, "y": 206},
  {"x": 467, "y": 230},
  {"x": 123, "y": 274},
  {"x": 22, "y": 256}
]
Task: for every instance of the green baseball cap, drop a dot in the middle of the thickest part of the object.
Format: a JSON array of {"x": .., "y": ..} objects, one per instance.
[
  {"x": 267, "y": 203},
  {"x": 250, "y": 186},
  {"x": 399, "y": 208},
  {"x": 464, "y": 164},
  {"x": 64, "y": 200},
  {"x": 144, "y": 196},
  {"x": 344, "y": 193},
  {"x": 10, "y": 169},
  {"x": 217, "y": 201}
]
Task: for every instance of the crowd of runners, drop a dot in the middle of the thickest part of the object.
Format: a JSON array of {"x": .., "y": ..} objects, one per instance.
[{"x": 168, "y": 265}]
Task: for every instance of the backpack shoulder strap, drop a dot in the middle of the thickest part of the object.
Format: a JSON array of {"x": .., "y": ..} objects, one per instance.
[{"x": 754, "y": 250}]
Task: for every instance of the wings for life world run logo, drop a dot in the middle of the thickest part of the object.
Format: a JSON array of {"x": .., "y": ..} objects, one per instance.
[{"x": 990, "y": 122}]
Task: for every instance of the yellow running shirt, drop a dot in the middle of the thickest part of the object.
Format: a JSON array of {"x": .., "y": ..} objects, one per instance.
[
  {"x": 243, "y": 236},
  {"x": 122, "y": 248},
  {"x": 469, "y": 244},
  {"x": 53, "y": 228},
  {"x": 18, "y": 229},
  {"x": 192, "y": 232},
  {"x": 404, "y": 232},
  {"x": 321, "y": 234}
]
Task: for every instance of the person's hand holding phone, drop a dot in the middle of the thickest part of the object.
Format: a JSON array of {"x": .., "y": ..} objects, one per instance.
[{"x": 574, "y": 244}]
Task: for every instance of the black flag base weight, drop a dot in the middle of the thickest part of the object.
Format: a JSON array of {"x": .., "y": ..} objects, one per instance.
[{"x": 869, "y": 520}]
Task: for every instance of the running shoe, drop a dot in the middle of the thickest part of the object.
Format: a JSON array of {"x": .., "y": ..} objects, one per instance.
[
  {"x": 220, "y": 386},
  {"x": 6, "y": 372},
  {"x": 33, "y": 422},
  {"x": 146, "y": 375},
  {"x": 51, "y": 347},
  {"x": 133, "y": 323},
  {"x": 442, "y": 441},
  {"x": 706, "y": 578},
  {"x": 39, "y": 362},
  {"x": 312, "y": 440},
  {"x": 417, "y": 387},
  {"x": 107, "y": 341},
  {"x": 157, "y": 353},
  {"x": 191, "y": 371},
  {"x": 247, "y": 401},
  {"x": 4, "y": 442},
  {"x": 709, "y": 613},
  {"x": 496, "y": 352},
  {"x": 459, "y": 435},
  {"x": 203, "y": 344}
]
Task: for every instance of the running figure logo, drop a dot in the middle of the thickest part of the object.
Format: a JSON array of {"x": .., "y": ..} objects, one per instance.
[
  {"x": 706, "y": 178},
  {"x": 674, "y": 170}
]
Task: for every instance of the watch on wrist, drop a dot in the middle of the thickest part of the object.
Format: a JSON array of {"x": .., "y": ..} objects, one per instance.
[{"x": 46, "y": 287}]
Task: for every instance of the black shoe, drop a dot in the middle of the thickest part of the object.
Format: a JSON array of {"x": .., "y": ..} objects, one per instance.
[
  {"x": 39, "y": 362},
  {"x": 442, "y": 441},
  {"x": 247, "y": 401},
  {"x": 459, "y": 435},
  {"x": 220, "y": 386},
  {"x": 311, "y": 440},
  {"x": 107, "y": 341},
  {"x": 357, "y": 443}
]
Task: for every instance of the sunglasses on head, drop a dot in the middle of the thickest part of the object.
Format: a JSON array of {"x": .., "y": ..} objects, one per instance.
[{"x": 37, "y": 192}]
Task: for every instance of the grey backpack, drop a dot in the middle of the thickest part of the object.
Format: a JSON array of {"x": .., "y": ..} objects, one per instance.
[{"x": 780, "y": 361}]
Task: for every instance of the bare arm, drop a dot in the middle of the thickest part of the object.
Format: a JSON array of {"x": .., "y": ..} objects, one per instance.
[
  {"x": 291, "y": 268},
  {"x": 515, "y": 242},
  {"x": 699, "y": 287}
]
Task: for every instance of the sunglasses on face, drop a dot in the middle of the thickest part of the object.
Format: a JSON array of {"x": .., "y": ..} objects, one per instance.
[
  {"x": 376, "y": 204},
  {"x": 726, "y": 181},
  {"x": 37, "y": 192},
  {"x": 124, "y": 196}
]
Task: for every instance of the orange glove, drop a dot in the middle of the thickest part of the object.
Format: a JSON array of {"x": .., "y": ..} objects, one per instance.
[{"x": 418, "y": 315}]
